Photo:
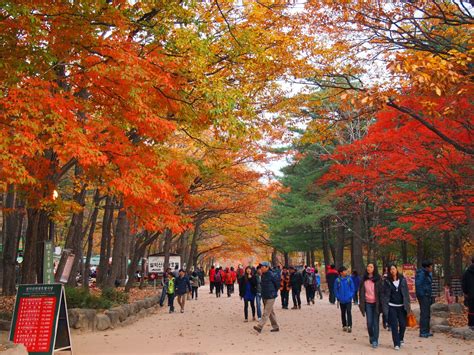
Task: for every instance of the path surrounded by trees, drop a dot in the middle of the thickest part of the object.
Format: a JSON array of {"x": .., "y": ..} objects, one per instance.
[{"x": 216, "y": 326}]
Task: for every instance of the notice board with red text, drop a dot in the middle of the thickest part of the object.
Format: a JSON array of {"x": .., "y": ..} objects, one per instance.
[{"x": 40, "y": 320}]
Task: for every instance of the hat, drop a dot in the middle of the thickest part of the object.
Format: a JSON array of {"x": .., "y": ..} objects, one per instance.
[
  {"x": 265, "y": 263},
  {"x": 308, "y": 269}
]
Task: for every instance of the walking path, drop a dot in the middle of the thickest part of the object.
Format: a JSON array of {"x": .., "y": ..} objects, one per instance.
[{"x": 215, "y": 326}]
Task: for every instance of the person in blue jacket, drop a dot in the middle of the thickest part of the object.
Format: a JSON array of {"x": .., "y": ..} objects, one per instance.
[
  {"x": 344, "y": 291},
  {"x": 182, "y": 287},
  {"x": 423, "y": 288}
]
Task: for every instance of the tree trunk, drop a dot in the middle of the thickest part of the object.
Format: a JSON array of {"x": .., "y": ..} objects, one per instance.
[
  {"x": 28, "y": 267},
  {"x": 274, "y": 257},
  {"x": 12, "y": 225},
  {"x": 90, "y": 238},
  {"x": 357, "y": 250},
  {"x": 340, "y": 240},
  {"x": 404, "y": 250},
  {"x": 166, "y": 248},
  {"x": 324, "y": 235},
  {"x": 105, "y": 240},
  {"x": 447, "y": 257},
  {"x": 419, "y": 252},
  {"x": 287, "y": 258},
  {"x": 458, "y": 269},
  {"x": 118, "y": 255}
]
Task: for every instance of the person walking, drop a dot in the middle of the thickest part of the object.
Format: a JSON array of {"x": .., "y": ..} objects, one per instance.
[
  {"x": 424, "y": 288},
  {"x": 296, "y": 281},
  {"x": 258, "y": 295},
  {"x": 317, "y": 284},
  {"x": 369, "y": 301},
  {"x": 229, "y": 281},
  {"x": 212, "y": 274},
  {"x": 331, "y": 276},
  {"x": 164, "y": 284},
  {"x": 218, "y": 282},
  {"x": 182, "y": 287},
  {"x": 309, "y": 285},
  {"x": 195, "y": 283},
  {"x": 247, "y": 292},
  {"x": 269, "y": 293},
  {"x": 396, "y": 304},
  {"x": 285, "y": 287},
  {"x": 170, "y": 291},
  {"x": 344, "y": 291},
  {"x": 468, "y": 290}
]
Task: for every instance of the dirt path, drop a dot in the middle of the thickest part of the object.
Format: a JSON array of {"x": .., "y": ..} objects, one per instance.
[{"x": 215, "y": 326}]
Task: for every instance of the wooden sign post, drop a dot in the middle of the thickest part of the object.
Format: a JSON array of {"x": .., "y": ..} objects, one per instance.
[{"x": 40, "y": 319}]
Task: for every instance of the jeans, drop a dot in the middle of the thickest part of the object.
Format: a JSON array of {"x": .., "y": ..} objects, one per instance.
[
  {"x": 346, "y": 314},
  {"x": 171, "y": 301},
  {"x": 258, "y": 301},
  {"x": 284, "y": 298},
  {"x": 356, "y": 297},
  {"x": 246, "y": 308},
  {"x": 332, "y": 296},
  {"x": 164, "y": 291},
  {"x": 425, "y": 314},
  {"x": 296, "y": 297},
  {"x": 318, "y": 289},
  {"x": 218, "y": 289},
  {"x": 268, "y": 312},
  {"x": 373, "y": 319},
  {"x": 194, "y": 292},
  {"x": 397, "y": 318},
  {"x": 309, "y": 293},
  {"x": 182, "y": 300},
  {"x": 230, "y": 289}
]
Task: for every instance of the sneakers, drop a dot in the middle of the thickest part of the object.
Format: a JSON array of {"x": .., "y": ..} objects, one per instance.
[
  {"x": 275, "y": 330},
  {"x": 396, "y": 347},
  {"x": 402, "y": 343},
  {"x": 312, "y": 300},
  {"x": 344, "y": 329},
  {"x": 246, "y": 320},
  {"x": 424, "y": 335},
  {"x": 375, "y": 345},
  {"x": 349, "y": 329}
]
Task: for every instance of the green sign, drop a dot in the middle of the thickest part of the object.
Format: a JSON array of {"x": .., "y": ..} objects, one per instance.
[
  {"x": 48, "y": 263},
  {"x": 40, "y": 320}
]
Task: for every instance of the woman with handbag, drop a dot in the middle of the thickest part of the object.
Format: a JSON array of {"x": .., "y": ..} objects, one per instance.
[
  {"x": 370, "y": 306},
  {"x": 396, "y": 304}
]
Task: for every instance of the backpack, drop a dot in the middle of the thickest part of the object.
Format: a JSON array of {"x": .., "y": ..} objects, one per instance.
[
  {"x": 310, "y": 279},
  {"x": 218, "y": 277}
]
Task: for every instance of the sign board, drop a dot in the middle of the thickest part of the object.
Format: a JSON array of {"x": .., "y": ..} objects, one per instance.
[
  {"x": 409, "y": 272},
  {"x": 48, "y": 263},
  {"x": 436, "y": 287},
  {"x": 456, "y": 286},
  {"x": 156, "y": 263},
  {"x": 40, "y": 320},
  {"x": 67, "y": 268}
]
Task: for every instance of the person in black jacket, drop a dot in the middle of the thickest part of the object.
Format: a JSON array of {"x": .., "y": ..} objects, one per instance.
[
  {"x": 247, "y": 292},
  {"x": 270, "y": 288},
  {"x": 331, "y": 276},
  {"x": 424, "y": 289},
  {"x": 468, "y": 289},
  {"x": 296, "y": 282},
  {"x": 396, "y": 304},
  {"x": 182, "y": 287}
]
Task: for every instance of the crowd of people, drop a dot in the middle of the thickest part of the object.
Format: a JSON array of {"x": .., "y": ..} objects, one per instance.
[{"x": 377, "y": 295}]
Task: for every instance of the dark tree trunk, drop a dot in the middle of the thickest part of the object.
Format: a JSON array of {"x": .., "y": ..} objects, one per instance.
[
  {"x": 118, "y": 255},
  {"x": 447, "y": 257},
  {"x": 357, "y": 245},
  {"x": 168, "y": 235},
  {"x": 12, "y": 225},
  {"x": 324, "y": 235},
  {"x": 458, "y": 269},
  {"x": 193, "y": 250},
  {"x": 105, "y": 240},
  {"x": 274, "y": 257},
  {"x": 419, "y": 252},
  {"x": 287, "y": 258},
  {"x": 340, "y": 240},
  {"x": 404, "y": 248},
  {"x": 90, "y": 238},
  {"x": 28, "y": 267}
]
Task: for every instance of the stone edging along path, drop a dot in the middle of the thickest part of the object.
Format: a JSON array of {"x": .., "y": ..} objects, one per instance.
[{"x": 89, "y": 320}]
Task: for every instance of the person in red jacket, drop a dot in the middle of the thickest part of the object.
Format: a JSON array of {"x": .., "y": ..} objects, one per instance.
[
  {"x": 229, "y": 281},
  {"x": 212, "y": 274}
]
